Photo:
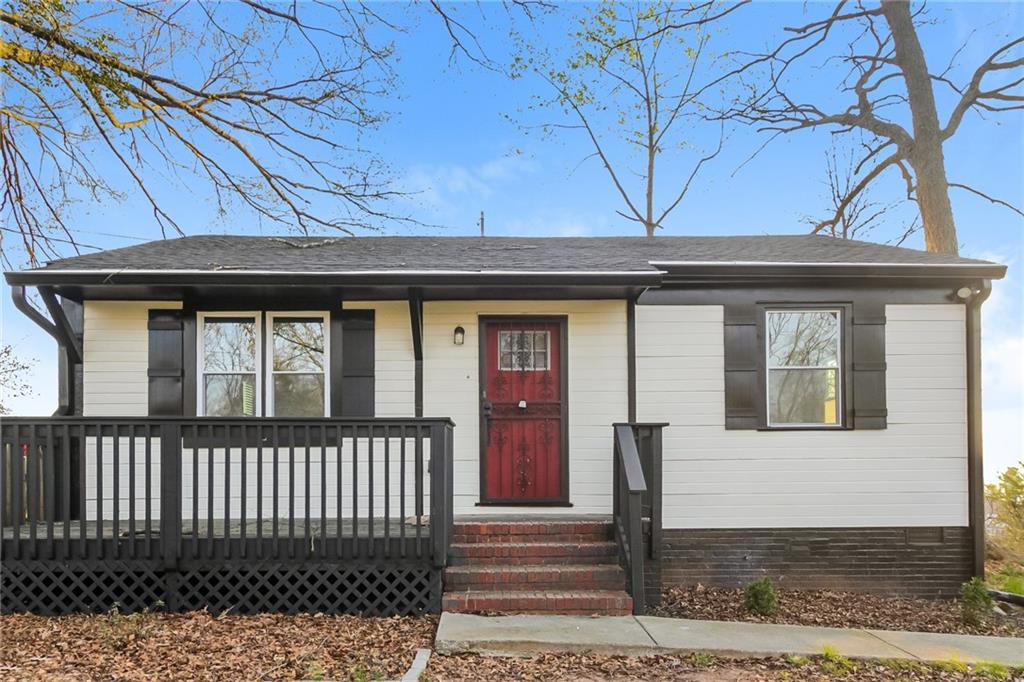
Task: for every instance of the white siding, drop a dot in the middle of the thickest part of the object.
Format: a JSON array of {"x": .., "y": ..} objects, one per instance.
[
  {"x": 912, "y": 473},
  {"x": 115, "y": 382},
  {"x": 394, "y": 364},
  {"x": 227, "y": 484},
  {"x": 597, "y": 392}
]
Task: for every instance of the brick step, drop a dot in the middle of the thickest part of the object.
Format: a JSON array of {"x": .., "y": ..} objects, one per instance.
[
  {"x": 535, "y": 577},
  {"x": 568, "y": 530},
  {"x": 568, "y": 538},
  {"x": 521, "y": 553},
  {"x": 566, "y": 602}
]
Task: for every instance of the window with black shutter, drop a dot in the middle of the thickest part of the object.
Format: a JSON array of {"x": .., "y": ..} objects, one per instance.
[{"x": 805, "y": 365}]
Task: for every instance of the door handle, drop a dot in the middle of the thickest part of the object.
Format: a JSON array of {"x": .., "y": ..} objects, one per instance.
[
  {"x": 522, "y": 404},
  {"x": 487, "y": 409}
]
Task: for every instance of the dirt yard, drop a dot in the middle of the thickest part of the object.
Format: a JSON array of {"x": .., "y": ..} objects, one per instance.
[
  {"x": 698, "y": 668},
  {"x": 837, "y": 609},
  {"x": 197, "y": 646}
]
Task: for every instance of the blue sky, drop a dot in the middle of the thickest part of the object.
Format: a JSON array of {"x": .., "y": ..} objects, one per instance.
[{"x": 451, "y": 142}]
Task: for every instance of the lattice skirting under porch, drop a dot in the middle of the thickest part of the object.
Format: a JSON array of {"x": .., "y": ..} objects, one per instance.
[{"x": 54, "y": 588}]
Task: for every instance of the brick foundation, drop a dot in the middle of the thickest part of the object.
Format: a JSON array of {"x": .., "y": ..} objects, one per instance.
[{"x": 926, "y": 562}]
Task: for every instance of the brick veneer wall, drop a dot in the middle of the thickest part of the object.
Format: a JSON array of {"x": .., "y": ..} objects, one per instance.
[{"x": 927, "y": 562}]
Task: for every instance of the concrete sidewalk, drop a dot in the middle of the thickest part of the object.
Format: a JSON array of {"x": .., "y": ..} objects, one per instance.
[{"x": 646, "y": 635}]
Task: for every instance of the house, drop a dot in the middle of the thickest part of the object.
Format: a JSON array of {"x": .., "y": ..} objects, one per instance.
[{"x": 396, "y": 424}]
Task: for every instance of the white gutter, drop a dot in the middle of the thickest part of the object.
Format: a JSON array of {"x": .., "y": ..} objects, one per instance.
[{"x": 743, "y": 263}]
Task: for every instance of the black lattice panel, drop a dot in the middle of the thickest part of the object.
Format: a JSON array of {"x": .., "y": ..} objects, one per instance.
[
  {"x": 369, "y": 590},
  {"x": 52, "y": 588}
]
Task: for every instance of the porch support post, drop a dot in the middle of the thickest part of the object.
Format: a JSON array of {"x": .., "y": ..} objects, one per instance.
[
  {"x": 416, "y": 321},
  {"x": 170, "y": 508},
  {"x": 631, "y": 358}
]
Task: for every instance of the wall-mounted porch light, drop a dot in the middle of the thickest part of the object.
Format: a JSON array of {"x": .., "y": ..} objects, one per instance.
[{"x": 459, "y": 336}]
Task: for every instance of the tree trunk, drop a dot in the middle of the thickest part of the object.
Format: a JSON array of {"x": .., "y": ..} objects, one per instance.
[
  {"x": 926, "y": 156},
  {"x": 652, "y": 151}
]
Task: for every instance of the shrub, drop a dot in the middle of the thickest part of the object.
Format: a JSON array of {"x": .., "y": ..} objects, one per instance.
[
  {"x": 760, "y": 598},
  {"x": 1006, "y": 503},
  {"x": 975, "y": 601}
]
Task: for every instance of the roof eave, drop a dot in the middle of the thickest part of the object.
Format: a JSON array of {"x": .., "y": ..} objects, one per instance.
[{"x": 678, "y": 271}]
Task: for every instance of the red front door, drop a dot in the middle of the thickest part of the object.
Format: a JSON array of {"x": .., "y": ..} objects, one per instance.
[{"x": 523, "y": 411}]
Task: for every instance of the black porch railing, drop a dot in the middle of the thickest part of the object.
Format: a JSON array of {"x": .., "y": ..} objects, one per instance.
[
  {"x": 250, "y": 514},
  {"x": 636, "y": 502}
]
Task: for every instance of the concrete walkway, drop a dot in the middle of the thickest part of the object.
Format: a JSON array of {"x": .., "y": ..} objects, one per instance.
[{"x": 646, "y": 635}]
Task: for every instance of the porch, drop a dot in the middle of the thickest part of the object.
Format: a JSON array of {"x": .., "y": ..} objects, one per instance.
[{"x": 333, "y": 515}]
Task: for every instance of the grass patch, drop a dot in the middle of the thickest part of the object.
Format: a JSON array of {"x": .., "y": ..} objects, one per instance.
[
  {"x": 1009, "y": 578},
  {"x": 703, "y": 659},
  {"x": 834, "y": 663},
  {"x": 992, "y": 671},
  {"x": 954, "y": 665},
  {"x": 902, "y": 664},
  {"x": 121, "y": 630}
]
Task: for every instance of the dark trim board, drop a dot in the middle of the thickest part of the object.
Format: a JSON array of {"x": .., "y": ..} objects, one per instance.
[
  {"x": 563, "y": 321},
  {"x": 631, "y": 358},
  {"x": 975, "y": 468},
  {"x": 917, "y": 561}
]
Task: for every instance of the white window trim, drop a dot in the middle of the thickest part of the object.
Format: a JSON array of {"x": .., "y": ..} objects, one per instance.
[
  {"x": 201, "y": 364},
  {"x": 839, "y": 368},
  {"x": 325, "y": 316}
]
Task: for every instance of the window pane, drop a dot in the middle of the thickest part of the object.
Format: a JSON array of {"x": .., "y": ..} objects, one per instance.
[
  {"x": 802, "y": 396},
  {"x": 298, "y": 345},
  {"x": 803, "y": 339},
  {"x": 523, "y": 350},
  {"x": 298, "y": 395},
  {"x": 230, "y": 395},
  {"x": 229, "y": 345}
]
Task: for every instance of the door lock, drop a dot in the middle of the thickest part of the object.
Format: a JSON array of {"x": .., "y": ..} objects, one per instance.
[{"x": 522, "y": 404}]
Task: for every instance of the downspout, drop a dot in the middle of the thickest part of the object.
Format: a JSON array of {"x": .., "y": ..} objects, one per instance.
[
  {"x": 60, "y": 329},
  {"x": 975, "y": 468}
]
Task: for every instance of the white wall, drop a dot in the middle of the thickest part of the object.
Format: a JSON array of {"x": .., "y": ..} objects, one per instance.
[
  {"x": 597, "y": 392},
  {"x": 912, "y": 473},
  {"x": 227, "y": 483},
  {"x": 394, "y": 364},
  {"x": 115, "y": 382}
]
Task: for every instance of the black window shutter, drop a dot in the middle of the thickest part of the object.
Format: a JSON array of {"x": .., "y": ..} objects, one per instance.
[
  {"x": 352, "y": 364},
  {"x": 867, "y": 375},
  {"x": 744, "y": 387},
  {"x": 166, "y": 367}
]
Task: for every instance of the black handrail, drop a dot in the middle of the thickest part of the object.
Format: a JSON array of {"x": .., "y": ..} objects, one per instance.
[{"x": 636, "y": 498}]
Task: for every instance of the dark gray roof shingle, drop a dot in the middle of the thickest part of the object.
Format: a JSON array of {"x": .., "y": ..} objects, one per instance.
[{"x": 476, "y": 254}]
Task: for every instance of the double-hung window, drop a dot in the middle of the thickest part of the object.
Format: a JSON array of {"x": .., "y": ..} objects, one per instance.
[
  {"x": 253, "y": 364},
  {"x": 804, "y": 367},
  {"x": 298, "y": 375},
  {"x": 229, "y": 365}
]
